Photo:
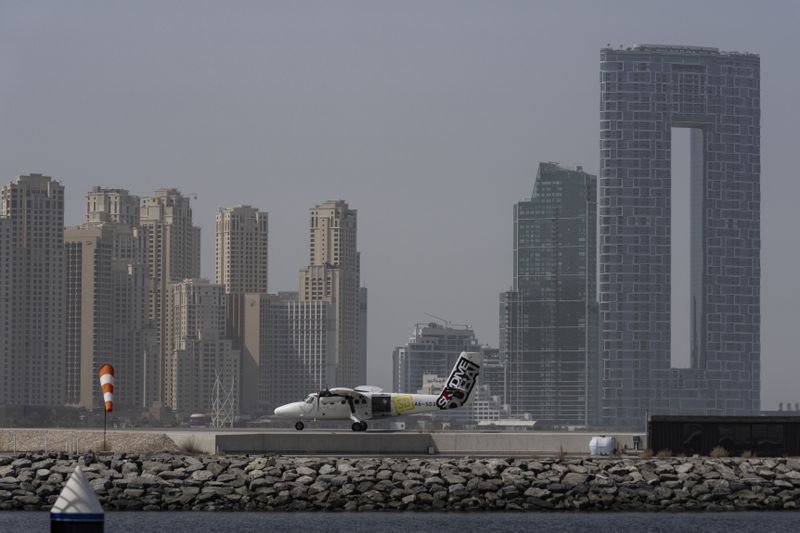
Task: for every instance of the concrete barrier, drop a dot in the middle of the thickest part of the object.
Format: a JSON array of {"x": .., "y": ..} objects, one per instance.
[
  {"x": 326, "y": 443},
  {"x": 401, "y": 443}
]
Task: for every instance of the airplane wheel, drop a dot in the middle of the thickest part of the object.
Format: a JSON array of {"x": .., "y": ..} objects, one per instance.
[
  {"x": 363, "y": 426},
  {"x": 299, "y": 426},
  {"x": 356, "y": 426}
]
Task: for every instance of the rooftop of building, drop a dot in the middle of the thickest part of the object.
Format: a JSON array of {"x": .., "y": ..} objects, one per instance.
[
  {"x": 677, "y": 49},
  {"x": 553, "y": 165},
  {"x": 110, "y": 190}
]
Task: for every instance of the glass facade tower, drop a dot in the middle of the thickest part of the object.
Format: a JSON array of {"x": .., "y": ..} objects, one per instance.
[{"x": 548, "y": 320}]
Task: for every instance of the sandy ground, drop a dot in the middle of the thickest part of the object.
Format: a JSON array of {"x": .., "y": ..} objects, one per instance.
[{"x": 23, "y": 440}]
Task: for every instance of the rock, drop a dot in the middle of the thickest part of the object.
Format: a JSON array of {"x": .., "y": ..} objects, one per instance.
[
  {"x": 201, "y": 475},
  {"x": 129, "y": 468},
  {"x": 154, "y": 467},
  {"x": 44, "y": 463},
  {"x": 374, "y": 496},
  {"x": 534, "y": 492},
  {"x": 27, "y": 500},
  {"x": 21, "y": 463},
  {"x": 343, "y": 467},
  {"x": 339, "y": 481},
  {"x": 305, "y": 471},
  {"x": 574, "y": 478},
  {"x": 215, "y": 468},
  {"x": 454, "y": 479}
]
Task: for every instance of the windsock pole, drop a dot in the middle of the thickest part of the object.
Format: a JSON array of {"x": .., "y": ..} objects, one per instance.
[{"x": 107, "y": 388}]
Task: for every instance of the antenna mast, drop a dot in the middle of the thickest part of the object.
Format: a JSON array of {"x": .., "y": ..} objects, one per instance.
[{"x": 222, "y": 404}]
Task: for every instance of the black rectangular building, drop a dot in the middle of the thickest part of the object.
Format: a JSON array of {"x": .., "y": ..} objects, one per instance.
[{"x": 764, "y": 436}]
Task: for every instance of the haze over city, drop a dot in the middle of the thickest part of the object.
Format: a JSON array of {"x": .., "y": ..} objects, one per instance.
[{"x": 430, "y": 119}]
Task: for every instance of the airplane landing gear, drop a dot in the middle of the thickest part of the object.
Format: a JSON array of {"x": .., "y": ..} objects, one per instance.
[
  {"x": 359, "y": 426},
  {"x": 299, "y": 426},
  {"x": 363, "y": 426}
]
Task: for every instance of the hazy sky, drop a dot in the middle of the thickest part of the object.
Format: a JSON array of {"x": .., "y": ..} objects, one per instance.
[{"x": 428, "y": 117}]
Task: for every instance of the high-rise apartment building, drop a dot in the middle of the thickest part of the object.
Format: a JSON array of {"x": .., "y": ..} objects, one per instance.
[
  {"x": 432, "y": 349},
  {"x": 173, "y": 254},
  {"x": 646, "y": 92},
  {"x": 195, "y": 347},
  {"x": 300, "y": 349},
  {"x": 112, "y": 205},
  {"x": 6, "y": 278},
  {"x": 548, "y": 321},
  {"x": 241, "y": 249},
  {"x": 333, "y": 276},
  {"x": 107, "y": 314},
  {"x": 88, "y": 311},
  {"x": 32, "y": 275}
]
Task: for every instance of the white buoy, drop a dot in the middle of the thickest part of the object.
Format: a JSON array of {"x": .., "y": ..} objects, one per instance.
[{"x": 77, "y": 509}]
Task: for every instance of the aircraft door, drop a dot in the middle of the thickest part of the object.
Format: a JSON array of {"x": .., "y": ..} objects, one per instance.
[{"x": 381, "y": 405}]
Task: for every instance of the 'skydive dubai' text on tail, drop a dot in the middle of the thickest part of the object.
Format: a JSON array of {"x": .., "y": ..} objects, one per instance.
[{"x": 458, "y": 390}]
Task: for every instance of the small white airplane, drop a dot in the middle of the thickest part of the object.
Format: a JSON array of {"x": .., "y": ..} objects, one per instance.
[{"x": 367, "y": 403}]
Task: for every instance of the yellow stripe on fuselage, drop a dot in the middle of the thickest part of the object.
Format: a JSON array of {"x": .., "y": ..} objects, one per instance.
[{"x": 403, "y": 403}]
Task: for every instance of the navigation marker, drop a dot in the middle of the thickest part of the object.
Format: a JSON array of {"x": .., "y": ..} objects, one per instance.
[{"x": 77, "y": 509}]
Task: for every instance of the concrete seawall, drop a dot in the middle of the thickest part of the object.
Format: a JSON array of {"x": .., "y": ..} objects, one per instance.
[
  {"x": 167, "y": 481},
  {"x": 412, "y": 443},
  {"x": 317, "y": 442}
]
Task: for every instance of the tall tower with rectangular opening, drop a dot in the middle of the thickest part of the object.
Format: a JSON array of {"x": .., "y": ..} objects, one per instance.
[{"x": 646, "y": 91}]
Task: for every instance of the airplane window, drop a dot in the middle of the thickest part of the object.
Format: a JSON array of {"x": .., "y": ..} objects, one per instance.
[{"x": 310, "y": 399}]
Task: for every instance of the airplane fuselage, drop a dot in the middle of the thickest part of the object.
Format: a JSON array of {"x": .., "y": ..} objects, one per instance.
[{"x": 366, "y": 406}]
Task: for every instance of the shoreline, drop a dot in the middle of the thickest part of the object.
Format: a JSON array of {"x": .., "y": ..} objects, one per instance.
[{"x": 169, "y": 481}]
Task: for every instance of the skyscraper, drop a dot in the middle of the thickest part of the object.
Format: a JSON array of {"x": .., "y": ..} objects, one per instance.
[
  {"x": 173, "y": 254},
  {"x": 333, "y": 276},
  {"x": 107, "y": 314},
  {"x": 241, "y": 250},
  {"x": 88, "y": 311},
  {"x": 241, "y": 267},
  {"x": 548, "y": 321},
  {"x": 646, "y": 91},
  {"x": 195, "y": 347},
  {"x": 299, "y": 349},
  {"x": 32, "y": 241}
]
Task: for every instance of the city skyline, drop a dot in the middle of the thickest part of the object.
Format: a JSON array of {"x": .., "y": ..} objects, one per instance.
[{"x": 414, "y": 132}]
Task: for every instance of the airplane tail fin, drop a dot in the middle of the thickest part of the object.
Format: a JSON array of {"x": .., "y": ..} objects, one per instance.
[{"x": 458, "y": 389}]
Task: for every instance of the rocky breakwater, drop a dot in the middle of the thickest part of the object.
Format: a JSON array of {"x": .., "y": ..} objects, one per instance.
[{"x": 168, "y": 481}]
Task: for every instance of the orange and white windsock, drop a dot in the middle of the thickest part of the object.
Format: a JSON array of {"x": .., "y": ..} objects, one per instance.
[{"x": 107, "y": 384}]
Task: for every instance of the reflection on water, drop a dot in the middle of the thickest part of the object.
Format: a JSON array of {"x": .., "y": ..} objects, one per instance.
[{"x": 181, "y": 522}]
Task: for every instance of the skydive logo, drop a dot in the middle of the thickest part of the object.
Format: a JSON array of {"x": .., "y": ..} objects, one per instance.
[{"x": 460, "y": 385}]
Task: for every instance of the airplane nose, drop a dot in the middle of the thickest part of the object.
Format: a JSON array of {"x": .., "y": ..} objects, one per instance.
[{"x": 287, "y": 410}]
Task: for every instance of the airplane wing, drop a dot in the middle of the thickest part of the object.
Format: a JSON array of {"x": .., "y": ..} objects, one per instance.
[
  {"x": 368, "y": 388},
  {"x": 345, "y": 391}
]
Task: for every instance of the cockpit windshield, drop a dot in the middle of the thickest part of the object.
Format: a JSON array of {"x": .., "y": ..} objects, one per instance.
[{"x": 311, "y": 398}]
